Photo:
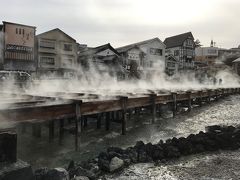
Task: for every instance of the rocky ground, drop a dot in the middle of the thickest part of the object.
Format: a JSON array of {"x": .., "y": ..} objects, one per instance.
[{"x": 222, "y": 165}]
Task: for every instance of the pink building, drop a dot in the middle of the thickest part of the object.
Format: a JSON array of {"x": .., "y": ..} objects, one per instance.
[{"x": 17, "y": 47}]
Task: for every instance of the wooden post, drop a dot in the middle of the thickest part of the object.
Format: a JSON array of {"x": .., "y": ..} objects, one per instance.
[
  {"x": 38, "y": 130},
  {"x": 153, "y": 102},
  {"x": 174, "y": 108},
  {"x": 99, "y": 120},
  {"x": 129, "y": 113},
  {"x": 124, "y": 118},
  {"x": 51, "y": 130},
  {"x": 189, "y": 101},
  {"x": 107, "y": 121},
  {"x": 137, "y": 111},
  {"x": 77, "y": 120},
  {"x": 85, "y": 124},
  {"x": 159, "y": 110},
  {"x": 209, "y": 96},
  {"x": 23, "y": 128},
  {"x": 61, "y": 130},
  {"x": 200, "y": 98},
  {"x": 33, "y": 129}
]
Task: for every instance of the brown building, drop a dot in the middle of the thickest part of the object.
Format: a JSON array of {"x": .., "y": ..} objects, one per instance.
[
  {"x": 104, "y": 59},
  {"x": 57, "y": 54},
  {"x": 17, "y": 44},
  {"x": 182, "y": 47}
]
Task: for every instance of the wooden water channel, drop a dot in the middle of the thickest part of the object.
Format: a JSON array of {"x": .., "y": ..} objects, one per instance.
[{"x": 58, "y": 107}]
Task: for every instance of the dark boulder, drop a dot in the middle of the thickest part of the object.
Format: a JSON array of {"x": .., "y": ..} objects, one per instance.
[
  {"x": 171, "y": 152},
  {"x": 103, "y": 164},
  {"x": 132, "y": 154},
  {"x": 79, "y": 171},
  {"x": 157, "y": 152},
  {"x": 115, "y": 149},
  {"x": 57, "y": 174},
  {"x": 41, "y": 173}
]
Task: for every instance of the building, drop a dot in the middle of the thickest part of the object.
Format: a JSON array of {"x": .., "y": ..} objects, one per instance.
[
  {"x": 206, "y": 55},
  {"x": 182, "y": 47},
  {"x": 57, "y": 54},
  {"x": 143, "y": 57},
  {"x": 236, "y": 66},
  {"x": 17, "y": 47},
  {"x": 104, "y": 59},
  {"x": 171, "y": 65}
]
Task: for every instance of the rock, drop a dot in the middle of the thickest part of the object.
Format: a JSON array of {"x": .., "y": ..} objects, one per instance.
[
  {"x": 103, "y": 164},
  {"x": 160, "y": 142},
  {"x": 171, "y": 151},
  {"x": 71, "y": 165},
  {"x": 149, "y": 148},
  {"x": 80, "y": 178},
  {"x": 19, "y": 170},
  {"x": 127, "y": 161},
  {"x": 79, "y": 171},
  {"x": 139, "y": 145},
  {"x": 132, "y": 154},
  {"x": 103, "y": 155},
  {"x": 142, "y": 156},
  {"x": 40, "y": 174},
  {"x": 184, "y": 146},
  {"x": 113, "y": 154},
  {"x": 157, "y": 153},
  {"x": 115, "y": 149},
  {"x": 116, "y": 164},
  {"x": 213, "y": 129},
  {"x": 57, "y": 174}
]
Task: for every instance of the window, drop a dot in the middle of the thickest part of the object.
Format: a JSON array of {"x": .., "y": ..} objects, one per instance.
[
  {"x": 189, "y": 52},
  {"x": 47, "y": 44},
  {"x": 23, "y": 31},
  {"x": 46, "y": 60},
  {"x": 212, "y": 51},
  {"x": 151, "y": 64},
  {"x": 16, "y": 30},
  {"x": 67, "y": 62},
  {"x": 176, "y": 52},
  {"x": 155, "y": 51},
  {"x": 20, "y": 31},
  {"x": 67, "y": 47},
  {"x": 189, "y": 42}
]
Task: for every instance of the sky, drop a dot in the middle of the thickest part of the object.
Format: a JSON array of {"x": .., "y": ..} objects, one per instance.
[{"x": 121, "y": 22}]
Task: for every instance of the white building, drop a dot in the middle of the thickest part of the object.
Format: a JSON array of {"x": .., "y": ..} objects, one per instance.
[
  {"x": 144, "y": 56},
  {"x": 206, "y": 55}
]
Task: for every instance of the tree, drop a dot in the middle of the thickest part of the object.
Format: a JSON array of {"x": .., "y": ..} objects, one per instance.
[{"x": 197, "y": 43}]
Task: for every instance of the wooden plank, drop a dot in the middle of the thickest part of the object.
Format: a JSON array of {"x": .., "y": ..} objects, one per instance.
[
  {"x": 38, "y": 113},
  {"x": 53, "y": 112},
  {"x": 88, "y": 108}
]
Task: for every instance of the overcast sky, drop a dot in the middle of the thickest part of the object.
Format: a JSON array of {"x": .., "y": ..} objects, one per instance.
[{"x": 120, "y": 22}]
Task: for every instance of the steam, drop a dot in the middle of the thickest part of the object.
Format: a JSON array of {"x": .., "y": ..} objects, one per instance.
[
  {"x": 102, "y": 82},
  {"x": 105, "y": 82}
]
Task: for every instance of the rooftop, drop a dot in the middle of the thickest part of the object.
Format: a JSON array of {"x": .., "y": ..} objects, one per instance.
[
  {"x": 175, "y": 41},
  {"x": 59, "y": 30},
  {"x": 130, "y": 46}
]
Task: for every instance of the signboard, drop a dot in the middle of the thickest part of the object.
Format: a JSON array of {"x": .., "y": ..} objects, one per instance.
[{"x": 17, "y": 48}]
